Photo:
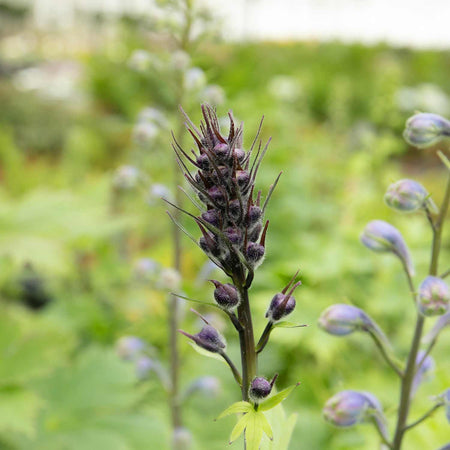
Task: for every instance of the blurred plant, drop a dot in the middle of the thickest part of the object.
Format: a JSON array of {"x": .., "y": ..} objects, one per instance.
[
  {"x": 234, "y": 238},
  {"x": 432, "y": 298}
]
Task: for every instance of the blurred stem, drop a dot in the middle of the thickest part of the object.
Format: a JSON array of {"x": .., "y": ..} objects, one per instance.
[
  {"x": 236, "y": 374},
  {"x": 174, "y": 395},
  {"x": 445, "y": 274},
  {"x": 385, "y": 353},
  {"x": 425, "y": 416},
  {"x": 382, "y": 432},
  {"x": 405, "y": 397}
]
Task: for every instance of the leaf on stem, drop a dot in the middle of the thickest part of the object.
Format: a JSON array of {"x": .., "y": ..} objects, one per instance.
[{"x": 277, "y": 398}]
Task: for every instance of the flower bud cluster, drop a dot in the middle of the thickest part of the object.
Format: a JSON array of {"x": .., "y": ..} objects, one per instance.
[
  {"x": 132, "y": 348},
  {"x": 232, "y": 223}
]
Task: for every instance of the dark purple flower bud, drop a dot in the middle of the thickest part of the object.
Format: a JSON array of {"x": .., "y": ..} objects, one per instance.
[
  {"x": 425, "y": 129},
  {"x": 221, "y": 150},
  {"x": 424, "y": 371},
  {"x": 212, "y": 216},
  {"x": 234, "y": 210},
  {"x": 226, "y": 295},
  {"x": 253, "y": 215},
  {"x": 203, "y": 161},
  {"x": 407, "y": 196},
  {"x": 254, "y": 232},
  {"x": 217, "y": 195},
  {"x": 434, "y": 296},
  {"x": 381, "y": 236},
  {"x": 260, "y": 388},
  {"x": 208, "y": 243},
  {"x": 255, "y": 253},
  {"x": 208, "y": 338},
  {"x": 348, "y": 408},
  {"x": 242, "y": 178},
  {"x": 279, "y": 307},
  {"x": 239, "y": 154},
  {"x": 129, "y": 347},
  {"x": 234, "y": 235},
  {"x": 342, "y": 319}
]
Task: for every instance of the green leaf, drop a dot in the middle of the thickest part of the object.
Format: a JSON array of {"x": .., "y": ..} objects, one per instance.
[
  {"x": 235, "y": 408},
  {"x": 204, "y": 352},
  {"x": 277, "y": 398},
  {"x": 283, "y": 428},
  {"x": 253, "y": 431},
  {"x": 239, "y": 428},
  {"x": 265, "y": 425}
]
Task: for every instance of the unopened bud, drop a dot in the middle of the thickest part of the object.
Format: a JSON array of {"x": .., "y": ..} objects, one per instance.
[
  {"x": 254, "y": 214},
  {"x": 426, "y": 129},
  {"x": 129, "y": 347},
  {"x": 255, "y": 253},
  {"x": 221, "y": 151},
  {"x": 203, "y": 161},
  {"x": 381, "y": 236},
  {"x": 208, "y": 338},
  {"x": 342, "y": 319},
  {"x": 181, "y": 439},
  {"x": 212, "y": 216},
  {"x": 143, "y": 367},
  {"x": 427, "y": 366},
  {"x": 217, "y": 195},
  {"x": 407, "y": 196},
  {"x": 242, "y": 178},
  {"x": 239, "y": 154},
  {"x": 434, "y": 296},
  {"x": 260, "y": 388},
  {"x": 348, "y": 408},
  {"x": 226, "y": 295}
]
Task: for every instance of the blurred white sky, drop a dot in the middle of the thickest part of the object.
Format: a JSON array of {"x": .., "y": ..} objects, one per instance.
[{"x": 418, "y": 23}]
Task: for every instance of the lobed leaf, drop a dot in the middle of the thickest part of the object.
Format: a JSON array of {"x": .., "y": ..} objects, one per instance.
[
  {"x": 235, "y": 408},
  {"x": 277, "y": 398}
]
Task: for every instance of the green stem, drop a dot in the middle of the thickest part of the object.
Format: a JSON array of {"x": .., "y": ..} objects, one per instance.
[
  {"x": 385, "y": 353},
  {"x": 247, "y": 343},
  {"x": 405, "y": 396},
  {"x": 236, "y": 374},
  {"x": 425, "y": 416},
  {"x": 264, "y": 339}
]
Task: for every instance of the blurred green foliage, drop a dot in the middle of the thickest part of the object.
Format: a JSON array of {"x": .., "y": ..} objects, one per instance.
[{"x": 333, "y": 114}]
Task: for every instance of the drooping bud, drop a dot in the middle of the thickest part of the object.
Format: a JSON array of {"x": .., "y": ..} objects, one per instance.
[
  {"x": 226, "y": 295},
  {"x": 407, "y": 196},
  {"x": 381, "y": 236},
  {"x": 260, "y": 388},
  {"x": 342, "y": 319},
  {"x": 427, "y": 366},
  {"x": 426, "y": 129},
  {"x": 129, "y": 347},
  {"x": 348, "y": 408},
  {"x": 434, "y": 296},
  {"x": 208, "y": 338},
  {"x": 208, "y": 385}
]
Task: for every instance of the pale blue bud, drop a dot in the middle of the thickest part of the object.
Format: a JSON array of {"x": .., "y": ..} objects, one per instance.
[
  {"x": 348, "y": 408},
  {"x": 424, "y": 372},
  {"x": 434, "y": 296},
  {"x": 181, "y": 439},
  {"x": 426, "y": 129},
  {"x": 407, "y": 196},
  {"x": 126, "y": 177},
  {"x": 342, "y": 319},
  {"x": 129, "y": 347},
  {"x": 381, "y": 236},
  {"x": 143, "y": 367}
]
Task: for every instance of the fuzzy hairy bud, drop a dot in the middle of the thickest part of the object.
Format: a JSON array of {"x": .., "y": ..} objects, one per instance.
[
  {"x": 208, "y": 338},
  {"x": 260, "y": 388},
  {"x": 226, "y": 295}
]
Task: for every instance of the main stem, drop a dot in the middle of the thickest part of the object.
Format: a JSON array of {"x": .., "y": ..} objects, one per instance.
[
  {"x": 174, "y": 394},
  {"x": 247, "y": 343},
  {"x": 410, "y": 370}
]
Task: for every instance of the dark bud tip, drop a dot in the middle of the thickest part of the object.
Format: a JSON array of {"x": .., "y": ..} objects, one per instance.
[
  {"x": 255, "y": 253},
  {"x": 259, "y": 389},
  {"x": 280, "y": 306},
  {"x": 209, "y": 339}
]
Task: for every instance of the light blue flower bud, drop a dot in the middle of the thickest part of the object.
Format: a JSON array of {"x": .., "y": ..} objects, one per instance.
[
  {"x": 426, "y": 129},
  {"x": 407, "y": 196},
  {"x": 128, "y": 347},
  {"x": 181, "y": 439},
  {"x": 424, "y": 372},
  {"x": 348, "y": 408},
  {"x": 381, "y": 236},
  {"x": 143, "y": 367},
  {"x": 434, "y": 296},
  {"x": 126, "y": 177},
  {"x": 342, "y": 319}
]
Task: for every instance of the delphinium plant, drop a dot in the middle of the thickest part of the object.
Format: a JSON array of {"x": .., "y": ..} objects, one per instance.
[
  {"x": 233, "y": 235},
  {"x": 431, "y": 298}
]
